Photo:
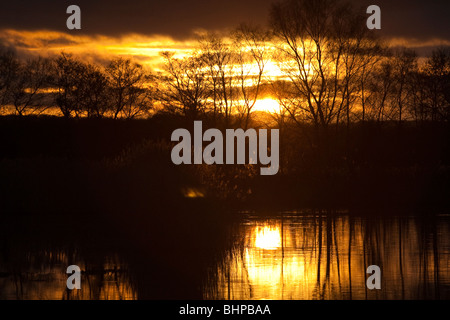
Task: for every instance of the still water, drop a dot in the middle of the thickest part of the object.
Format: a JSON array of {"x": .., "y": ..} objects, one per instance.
[
  {"x": 289, "y": 255},
  {"x": 326, "y": 257}
]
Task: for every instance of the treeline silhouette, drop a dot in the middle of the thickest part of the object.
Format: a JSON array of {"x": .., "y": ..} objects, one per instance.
[
  {"x": 392, "y": 85},
  {"x": 319, "y": 62},
  {"x": 360, "y": 123},
  {"x": 75, "y": 88}
]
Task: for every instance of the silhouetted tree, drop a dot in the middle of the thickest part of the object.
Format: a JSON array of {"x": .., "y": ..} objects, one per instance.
[
  {"x": 69, "y": 83},
  {"x": 127, "y": 86},
  {"x": 366, "y": 77},
  {"x": 405, "y": 68},
  {"x": 141, "y": 99},
  {"x": 252, "y": 54},
  {"x": 30, "y": 78},
  {"x": 437, "y": 74},
  {"x": 382, "y": 92},
  {"x": 219, "y": 60},
  {"x": 185, "y": 86},
  {"x": 323, "y": 48},
  {"x": 9, "y": 68},
  {"x": 96, "y": 100}
]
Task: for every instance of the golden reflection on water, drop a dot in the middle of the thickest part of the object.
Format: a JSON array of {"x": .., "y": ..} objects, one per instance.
[
  {"x": 319, "y": 257},
  {"x": 267, "y": 237},
  {"x": 108, "y": 280},
  {"x": 316, "y": 256},
  {"x": 190, "y": 192}
]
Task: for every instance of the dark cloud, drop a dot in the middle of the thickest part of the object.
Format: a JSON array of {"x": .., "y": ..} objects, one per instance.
[
  {"x": 174, "y": 18},
  {"x": 400, "y": 18},
  {"x": 419, "y": 19},
  {"x": 60, "y": 41}
]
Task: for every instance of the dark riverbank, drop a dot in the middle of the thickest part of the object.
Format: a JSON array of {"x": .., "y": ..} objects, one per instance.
[{"x": 56, "y": 165}]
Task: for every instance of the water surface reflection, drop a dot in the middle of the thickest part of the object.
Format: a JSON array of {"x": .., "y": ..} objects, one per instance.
[
  {"x": 297, "y": 255},
  {"x": 325, "y": 256},
  {"x": 44, "y": 278}
]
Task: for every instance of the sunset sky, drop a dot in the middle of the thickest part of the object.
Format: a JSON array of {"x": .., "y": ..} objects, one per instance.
[
  {"x": 303, "y": 160},
  {"x": 141, "y": 29}
]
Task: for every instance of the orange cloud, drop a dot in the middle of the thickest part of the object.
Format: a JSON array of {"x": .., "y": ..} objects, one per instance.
[
  {"x": 418, "y": 43},
  {"x": 145, "y": 49}
]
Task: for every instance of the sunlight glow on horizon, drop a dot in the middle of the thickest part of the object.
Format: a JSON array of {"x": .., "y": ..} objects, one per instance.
[{"x": 267, "y": 105}]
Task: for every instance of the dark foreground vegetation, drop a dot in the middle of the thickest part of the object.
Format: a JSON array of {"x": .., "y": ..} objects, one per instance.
[{"x": 57, "y": 165}]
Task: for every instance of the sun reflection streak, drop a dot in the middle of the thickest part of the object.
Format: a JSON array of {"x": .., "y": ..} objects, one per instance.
[
  {"x": 268, "y": 238},
  {"x": 280, "y": 261}
]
